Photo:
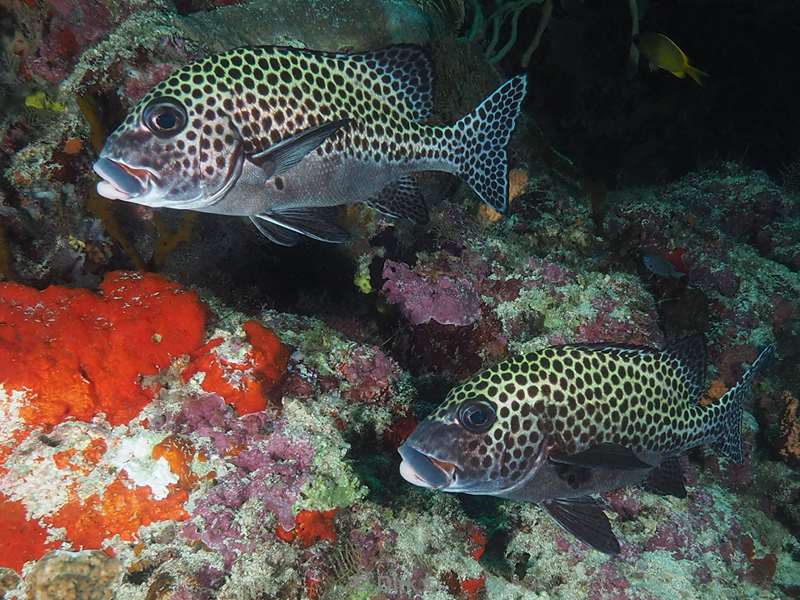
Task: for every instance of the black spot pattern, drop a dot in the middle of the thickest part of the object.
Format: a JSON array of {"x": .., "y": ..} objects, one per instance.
[
  {"x": 486, "y": 133},
  {"x": 636, "y": 397},
  {"x": 262, "y": 95}
]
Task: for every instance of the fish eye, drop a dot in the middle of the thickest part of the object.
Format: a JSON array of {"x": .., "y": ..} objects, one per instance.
[
  {"x": 476, "y": 416},
  {"x": 165, "y": 117}
]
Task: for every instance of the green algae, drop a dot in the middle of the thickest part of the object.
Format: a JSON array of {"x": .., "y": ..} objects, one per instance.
[
  {"x": 563, "y": 309},
  {"x": 435, "y": 541},
  {"x": 332, "y": 482}
]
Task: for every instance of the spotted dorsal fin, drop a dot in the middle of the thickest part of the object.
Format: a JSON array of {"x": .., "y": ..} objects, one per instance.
[
  {"x": 692, "y": 354},
  {"x": 407, "y": 69}
]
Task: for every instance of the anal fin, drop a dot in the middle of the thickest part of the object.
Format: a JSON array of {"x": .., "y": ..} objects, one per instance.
[
  {"x": 318, "y": 223},
  {"x": 667, "y": 479},
  {"x": 583, "y": 518},
  {"x": 402, "y": 199}
]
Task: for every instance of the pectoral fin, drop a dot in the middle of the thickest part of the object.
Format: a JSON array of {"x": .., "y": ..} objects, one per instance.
[
  {"x": 318, "y": 223},
  {"x": 276, "y": 234},
  {"x": 583, "y": 518},
  {"x": 606, "y": 456},
  {"x": 284, "y": 155}
]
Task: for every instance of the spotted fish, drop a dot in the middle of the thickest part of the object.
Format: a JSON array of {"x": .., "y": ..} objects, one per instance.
[
  {"x": 558, "y": 425},
  {"x": 281, "y": 135}
]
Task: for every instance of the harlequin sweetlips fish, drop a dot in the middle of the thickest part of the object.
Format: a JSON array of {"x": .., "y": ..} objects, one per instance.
[
  {"x": 281, "y": 135},
  {"x": 561, "y": 424}
]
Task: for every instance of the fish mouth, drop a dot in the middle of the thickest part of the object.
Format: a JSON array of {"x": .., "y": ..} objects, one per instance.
[
  {"x": 425, "y": 471},
  {"x": 121, "y": 181}
]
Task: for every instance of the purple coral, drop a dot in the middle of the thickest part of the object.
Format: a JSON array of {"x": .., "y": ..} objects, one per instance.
[{"x": 447, "y": 299}]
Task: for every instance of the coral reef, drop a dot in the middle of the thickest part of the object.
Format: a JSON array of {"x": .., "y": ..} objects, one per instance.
[
  {"x": 68, "y": 352},
  {"x": 446, "y": 300},
  {"x": 259, "y": 363},
  {"x": 787, "y": 441},
  {"x": 494, "y": 291},
  {"x": 724, "y": 221},
  {"x": 257, "y": 456},
  {"x": 194, "y": 435}
]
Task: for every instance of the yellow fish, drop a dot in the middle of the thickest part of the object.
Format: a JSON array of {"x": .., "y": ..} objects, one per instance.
[
  {"x": 40, "y": 101},
  {"x": 663, "y": 53}
]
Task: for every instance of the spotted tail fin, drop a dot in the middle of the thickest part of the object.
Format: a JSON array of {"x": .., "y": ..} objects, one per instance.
[
  {"x": 729, "y": 441},
  {"x": 486, "y": 132}
]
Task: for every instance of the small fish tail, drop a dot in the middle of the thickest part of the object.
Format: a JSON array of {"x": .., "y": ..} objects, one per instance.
[
  {"x": 696, "y": 74},
  {"x": 729, "y": 408},
  {"x": 486, "y": 132}
]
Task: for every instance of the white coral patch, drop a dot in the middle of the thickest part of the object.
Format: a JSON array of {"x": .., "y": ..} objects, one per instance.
[
  {"x": 134, "y": 456},
  {"x": 10, "y": 420},
  {"x": 31, "y": 474}
]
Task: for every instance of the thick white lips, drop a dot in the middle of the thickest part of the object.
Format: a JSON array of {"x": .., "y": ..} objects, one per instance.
[
  {"x": 120, "y": 182},
  {"x": 424, "y": 471}
]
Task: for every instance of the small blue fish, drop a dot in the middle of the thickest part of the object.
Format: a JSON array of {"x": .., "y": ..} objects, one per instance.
[{"x": 661, "y": 266}]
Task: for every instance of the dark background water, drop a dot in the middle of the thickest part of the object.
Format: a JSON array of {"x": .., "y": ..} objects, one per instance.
[{"x": 655, "y": 126}]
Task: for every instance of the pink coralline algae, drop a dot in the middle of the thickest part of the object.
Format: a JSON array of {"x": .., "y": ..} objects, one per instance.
[
  {"x": 672, "y": 536},
  {"x": 369, "y": 374},
  {"x": 552, "y": 273},
  {"x": 626, "y": 502},
  {"x": 267, "y": 465},
  {"x": 453, "y": 331},
  {"x": 65, "y": 29},
  {"x": 723, "y": 281},
  {"x": 641, "y": 328},
  {"x": 622, "y": 312},
  {"x": 446, "y": 299},
  {"x": 734, "y": 476},
  {"x": 209, "y": 416},
  {"x": 138, "y": 83},
  {"x": 609, "y": 584}
]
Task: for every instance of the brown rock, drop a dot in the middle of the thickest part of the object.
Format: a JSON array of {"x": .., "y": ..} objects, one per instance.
[{"x": 73, "y": 576}]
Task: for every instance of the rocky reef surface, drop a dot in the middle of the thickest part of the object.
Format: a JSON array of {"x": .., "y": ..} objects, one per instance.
[
  {"x": 157, "y": 443},
  {"x": 187, "y": 412}
]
